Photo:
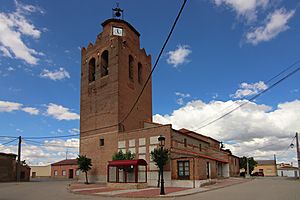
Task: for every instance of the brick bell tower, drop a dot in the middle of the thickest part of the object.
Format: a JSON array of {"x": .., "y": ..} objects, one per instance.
[{"x": 113, "y": 72}]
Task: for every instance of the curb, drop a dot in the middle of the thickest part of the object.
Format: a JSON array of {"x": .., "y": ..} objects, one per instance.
[{"x": 159, "y": 196}]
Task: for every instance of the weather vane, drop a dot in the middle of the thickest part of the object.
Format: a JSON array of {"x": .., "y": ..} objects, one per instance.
[{"x": 117, "y": 12}]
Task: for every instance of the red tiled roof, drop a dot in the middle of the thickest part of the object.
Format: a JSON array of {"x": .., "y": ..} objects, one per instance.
[
  {"x": 65, "y": 162},
  {"x": 186, "y": 131},
  {"x": 8, "y": 154}
]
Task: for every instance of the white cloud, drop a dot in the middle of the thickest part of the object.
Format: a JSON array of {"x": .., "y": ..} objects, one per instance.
[
  {"x": 56, "y": 74},
  {"x": 31, "y": 110},
  {"x": 247, "y": 89},
  {"x": 182, "y": 94},
  {"x": 251, "y": 127},
  {"x": 244, "y": 8},
  {"x": 6, "y": 106},
  {"x": 74, "y": 131},
  {"x": 13, "y": 27},
  {"x": 46, "y": 152},
  {"x": 179, "y": 55},
  {"x": 216, "y": 95},
  {"x": 294, "y": 91},
  {"x": 25, "y": 9},
  {"x": 276, "y": 23},
  {"x": 5, "y": 52},
  {"x": 11, "y": 69},
  {"x": 61, "y": 113},
  {"x": 181, "y": 98}
]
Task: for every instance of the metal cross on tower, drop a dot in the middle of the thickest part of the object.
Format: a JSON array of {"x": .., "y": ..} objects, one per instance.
[{"x": 117, "y": 12}]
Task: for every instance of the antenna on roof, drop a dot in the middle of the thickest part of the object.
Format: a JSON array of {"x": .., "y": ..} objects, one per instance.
[
  {"x": 67, "y": 153},
  {"x": 117, "y": 12}
]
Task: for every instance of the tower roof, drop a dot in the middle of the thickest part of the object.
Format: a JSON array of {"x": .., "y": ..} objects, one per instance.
[{"x": 122, "y": 21}]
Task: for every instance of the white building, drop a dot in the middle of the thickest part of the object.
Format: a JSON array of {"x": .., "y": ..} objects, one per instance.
[{"x": 288, "y": 171}]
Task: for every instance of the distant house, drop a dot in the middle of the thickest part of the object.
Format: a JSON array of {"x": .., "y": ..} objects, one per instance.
[
  {"x": 8, "y": 168},
  {"x": 268, "y": 167},
  {"x": 65, "y": 169},
  {"x": 40, "y": 171},
  {"x": 288, "y": 171}
]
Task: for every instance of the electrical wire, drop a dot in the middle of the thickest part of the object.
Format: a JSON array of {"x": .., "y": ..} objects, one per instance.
[
  {"x": 157, "y": 60},
  {"x": 150, "y": 75},
  {"x": 249, "y": 151},
  {"x": 51, "y": 137},
  {"x": 5, "y": 136},
  {"x": 266, "y": 82},
  {"x": 251, "y": 99},
  {"x": 9, "y": 142},
  {"x": 48, "y": 145}
]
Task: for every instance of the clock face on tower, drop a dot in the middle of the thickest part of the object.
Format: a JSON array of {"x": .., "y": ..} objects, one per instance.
[{"x": 117, "y": 31}]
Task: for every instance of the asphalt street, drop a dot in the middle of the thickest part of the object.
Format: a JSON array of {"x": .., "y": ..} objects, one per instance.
[{"x": 258, "y": 189}]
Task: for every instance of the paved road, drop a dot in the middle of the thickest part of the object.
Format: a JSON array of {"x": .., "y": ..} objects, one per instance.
[{"x": 259, "y": 189}]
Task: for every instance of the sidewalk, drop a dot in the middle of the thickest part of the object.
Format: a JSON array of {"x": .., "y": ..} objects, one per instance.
[{"x": 102, "y": 190}]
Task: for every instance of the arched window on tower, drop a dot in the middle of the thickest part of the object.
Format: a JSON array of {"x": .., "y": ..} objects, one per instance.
[
  {"x": 130, "y": 67},
  {"x": 104, "y": 63},
  {"x": 140, "y": 71},
  {"x": 92, "y": 70}
]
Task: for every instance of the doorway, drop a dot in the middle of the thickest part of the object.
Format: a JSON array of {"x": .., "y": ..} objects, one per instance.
[
  {"x": 208, "y": 170},
  {"x": 71, "y": 173}
]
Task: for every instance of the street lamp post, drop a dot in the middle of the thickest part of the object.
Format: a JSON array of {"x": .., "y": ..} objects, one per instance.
[{"x": 162, "y": 140}]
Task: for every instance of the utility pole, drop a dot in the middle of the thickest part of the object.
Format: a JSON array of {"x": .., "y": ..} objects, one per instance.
[
  {"x": 275, "y": 165},
  {"x": 298, "y": 153},
  {"x": 248, "y": 171},
  {"x": 19, "y": 160}
]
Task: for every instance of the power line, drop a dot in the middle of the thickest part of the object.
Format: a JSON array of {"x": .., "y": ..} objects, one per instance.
[
  {"x": 5, "y": 136},
  {"x": 268, "y": 81},
  {"x": 283, "y": 71},
  {"x": 268, "y": 146},
  {"x": 50, "y": 137},
  {"x": 149, "y": 77},
  {"x": 156, "y": 62},
  {"x": 251, "y": 99},
  {"x": 48, "y": 145},
  {"x": 9, "y": 142}
]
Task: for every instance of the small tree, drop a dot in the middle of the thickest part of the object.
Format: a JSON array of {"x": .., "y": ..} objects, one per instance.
[
  {"x": 160, "y": 157},
  {"x": 243, "y": 163},
  {"x": 123, "y": 156},
  {"x": 84, "y": 165}
]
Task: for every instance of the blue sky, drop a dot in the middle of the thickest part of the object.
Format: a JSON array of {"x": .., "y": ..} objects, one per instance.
[{"x": 221, "y": 53}]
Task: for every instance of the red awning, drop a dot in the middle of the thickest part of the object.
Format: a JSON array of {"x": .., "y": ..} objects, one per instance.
[{"x": 116, "y": 163}]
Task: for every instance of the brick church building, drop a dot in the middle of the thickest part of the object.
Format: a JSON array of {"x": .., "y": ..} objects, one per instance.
[{"x": 113, "y": 72}]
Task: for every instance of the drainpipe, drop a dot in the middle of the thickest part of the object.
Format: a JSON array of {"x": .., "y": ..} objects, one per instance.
[{"x": 194, "y": 181}]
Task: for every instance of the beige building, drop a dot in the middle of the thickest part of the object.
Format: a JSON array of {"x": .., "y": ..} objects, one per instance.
[
  {"x": 40, "y": 171},
  {"x": 268, "y": 167}
]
